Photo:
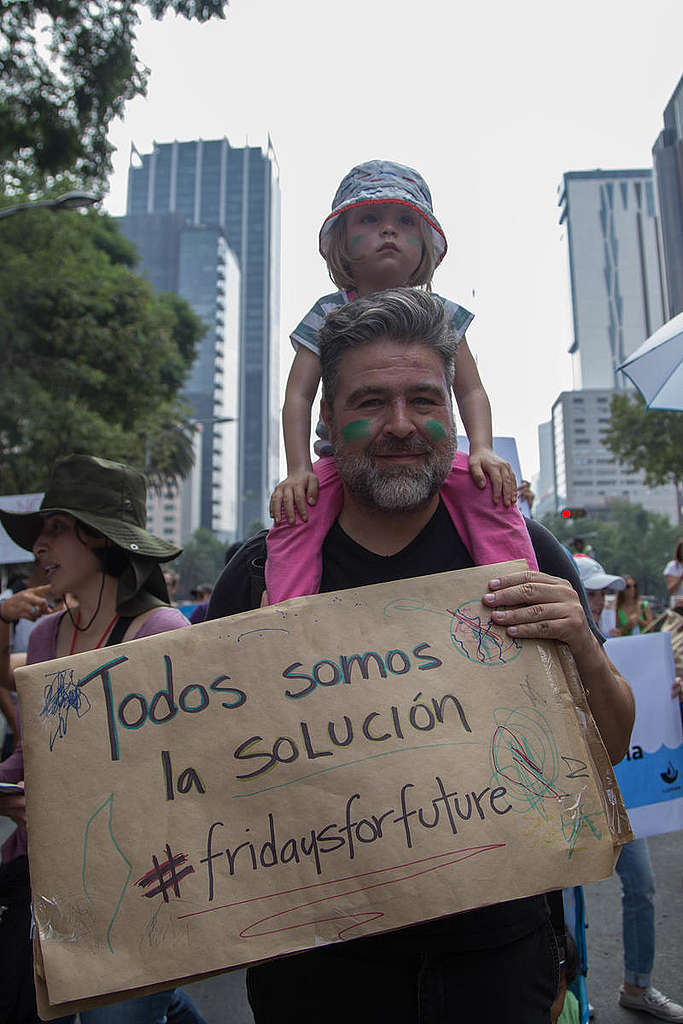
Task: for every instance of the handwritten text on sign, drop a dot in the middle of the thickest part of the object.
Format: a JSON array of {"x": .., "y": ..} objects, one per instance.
[{"x": 298, "y": 775}]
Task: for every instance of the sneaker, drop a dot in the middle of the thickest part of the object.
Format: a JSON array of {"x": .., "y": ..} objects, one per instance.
[{"x": 653, "y": 1002}]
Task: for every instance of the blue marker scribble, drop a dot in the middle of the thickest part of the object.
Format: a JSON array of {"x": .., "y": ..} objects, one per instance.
[{"x": 62, "y": 695}]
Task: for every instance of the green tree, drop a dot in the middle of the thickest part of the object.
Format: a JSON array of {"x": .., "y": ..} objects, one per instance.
[
  {"x": 92, "y": 359},
  {"x": 649, "y": 440},
  {"x": 202, "y": 560},
  {"x": 66, "y": 70},
  {"x": 627, "y": 539}
]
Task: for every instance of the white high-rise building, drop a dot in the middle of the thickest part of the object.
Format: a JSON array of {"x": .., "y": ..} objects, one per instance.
[
  {"x": 618, "y": 300},
  {"x": 586, "y": 473},
  {"x": 615, "y": 269}
]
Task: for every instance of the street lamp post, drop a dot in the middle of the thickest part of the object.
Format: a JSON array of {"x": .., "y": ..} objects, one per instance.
[{"x": 67, "y": 201}]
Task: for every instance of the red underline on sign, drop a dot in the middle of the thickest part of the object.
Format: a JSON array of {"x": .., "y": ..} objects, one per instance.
[{"x": 458, "y": 855}]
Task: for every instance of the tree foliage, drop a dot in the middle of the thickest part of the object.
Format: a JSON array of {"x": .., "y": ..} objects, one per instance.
[
  {"x": 66, "y": 70},
  {"x": 202, "y": 560},
  {"x": 92, "y": 358},
  {"x": 647, "y": 439},
  {"x": 626, "y": 539}
]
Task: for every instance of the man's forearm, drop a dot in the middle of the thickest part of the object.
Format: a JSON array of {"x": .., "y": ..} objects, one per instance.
[{"x": 609, "y": 696}]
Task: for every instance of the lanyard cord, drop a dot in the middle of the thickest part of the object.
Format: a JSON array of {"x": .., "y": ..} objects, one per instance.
[
  {"x": 100, "y": 641},
  {"x": 76, "y": 625}
]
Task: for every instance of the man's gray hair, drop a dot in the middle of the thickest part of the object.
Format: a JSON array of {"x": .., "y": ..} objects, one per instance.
[{"x": 400, "y": 314}]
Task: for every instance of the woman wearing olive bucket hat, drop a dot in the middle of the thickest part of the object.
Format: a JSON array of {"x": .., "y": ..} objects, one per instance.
[{"x": 89, "y": 536}]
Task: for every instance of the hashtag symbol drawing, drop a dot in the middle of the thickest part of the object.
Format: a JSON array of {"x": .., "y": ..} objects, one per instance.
[{"x": 166, "y": 875}]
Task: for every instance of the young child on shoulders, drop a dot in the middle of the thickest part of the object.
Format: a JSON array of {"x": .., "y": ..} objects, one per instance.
[{"x": 381, "y": 233}]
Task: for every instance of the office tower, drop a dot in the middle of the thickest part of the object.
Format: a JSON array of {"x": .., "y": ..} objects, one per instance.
[
  {"x": 545, "y": 481},
  {"x": 211, "y": 184},
  {"x": 586, "y": 473},
  {"x": 615, "y": 269},
  {"x": 667, "y": 155},
  {"x": 618, "y": 300},
  {"x": 197, "y": 263}
]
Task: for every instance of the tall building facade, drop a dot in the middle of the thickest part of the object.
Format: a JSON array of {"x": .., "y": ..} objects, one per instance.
[
  {"x": 586, "y": 473},
  {"x": 211, "y": 184},
  {"x": 618, "y": 296},
  {"x": 196, "y": 262},
  {"x": 615, "y": 269},
  {"x": 667, "y": 156},
  {"x": 545, "y": 481}
]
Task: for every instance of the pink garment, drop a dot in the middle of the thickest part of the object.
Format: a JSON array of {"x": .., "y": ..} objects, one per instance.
[
  {"x": 491, "y": 533},
  {"x": 42, "y": 646}
]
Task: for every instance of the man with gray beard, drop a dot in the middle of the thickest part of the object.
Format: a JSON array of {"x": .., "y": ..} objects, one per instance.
[{"x": 387, "y": 373}]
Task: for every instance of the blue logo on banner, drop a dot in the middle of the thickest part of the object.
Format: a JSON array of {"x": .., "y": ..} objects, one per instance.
[{"x": 650, "y": 778}]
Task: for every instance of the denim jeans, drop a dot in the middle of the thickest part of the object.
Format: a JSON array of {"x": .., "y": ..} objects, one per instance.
[
  {"x": 514, "y": 983},
  {"x": 634, "y": 868},
  {"x": 170, "y": 1007}
]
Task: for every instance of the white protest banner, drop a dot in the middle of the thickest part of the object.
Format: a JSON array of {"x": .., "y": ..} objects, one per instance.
[
  {"x": 299, "y": 775},
  {"x": 651, "y": 775}
]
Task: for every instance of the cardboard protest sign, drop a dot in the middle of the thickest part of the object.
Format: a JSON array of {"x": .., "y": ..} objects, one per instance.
[
  {"x": 299, "y": 775},
  {"x": 651, "y": 774}
]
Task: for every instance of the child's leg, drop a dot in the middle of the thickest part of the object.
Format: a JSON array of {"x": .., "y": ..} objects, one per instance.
[
  {"x": 491, "y": 533},
  {"x": 294, "y": 562}
]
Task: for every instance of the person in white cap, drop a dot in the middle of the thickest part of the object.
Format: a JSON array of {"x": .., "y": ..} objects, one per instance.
[
  {"x": 634, "y": 865},
  {"x": 598, "y": 584}
]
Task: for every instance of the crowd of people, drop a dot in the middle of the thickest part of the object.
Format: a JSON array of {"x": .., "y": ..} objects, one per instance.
[{"x": 389, "y": 498}]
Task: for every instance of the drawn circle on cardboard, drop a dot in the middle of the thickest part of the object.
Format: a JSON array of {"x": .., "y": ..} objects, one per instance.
[{"x": 479, "y": 639}]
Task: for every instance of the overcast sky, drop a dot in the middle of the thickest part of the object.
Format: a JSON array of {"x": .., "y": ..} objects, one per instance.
[{"x": 491, "y": 101}]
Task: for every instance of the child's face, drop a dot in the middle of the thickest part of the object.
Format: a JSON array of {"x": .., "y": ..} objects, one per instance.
[{"x": 384, "y": 243}]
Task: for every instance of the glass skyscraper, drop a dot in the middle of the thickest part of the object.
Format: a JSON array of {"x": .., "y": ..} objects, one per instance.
[
  {"x": 211, "y": 184},
  {"x": 197, "y": 263}
]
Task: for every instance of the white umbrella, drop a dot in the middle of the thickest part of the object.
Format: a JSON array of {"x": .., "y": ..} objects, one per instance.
[{"x": 656, "y": 368}]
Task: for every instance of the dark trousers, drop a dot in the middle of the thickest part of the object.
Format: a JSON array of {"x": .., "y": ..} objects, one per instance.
[
  {"x": 17, "y": 996},
  {"x": 509, "y": 984}
]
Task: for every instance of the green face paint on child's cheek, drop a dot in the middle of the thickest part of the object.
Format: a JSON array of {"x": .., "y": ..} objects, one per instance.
[
  {"x": 357, "y": 430},
  {"x": 415, "y": 241},
  {"x": 354, "y": 246},
  {"x": 435, "y": 429}
]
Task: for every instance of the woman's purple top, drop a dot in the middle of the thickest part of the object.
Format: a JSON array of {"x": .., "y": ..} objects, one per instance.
[{"x": 42, "y": 646}]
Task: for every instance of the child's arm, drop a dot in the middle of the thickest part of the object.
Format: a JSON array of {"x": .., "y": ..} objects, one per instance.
[
  {"x": 301, "y": 484},
  {"x": 475, "y": 412}
]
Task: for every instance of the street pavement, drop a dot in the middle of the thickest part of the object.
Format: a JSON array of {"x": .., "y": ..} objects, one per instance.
[{"x": 223, "y": 1000}]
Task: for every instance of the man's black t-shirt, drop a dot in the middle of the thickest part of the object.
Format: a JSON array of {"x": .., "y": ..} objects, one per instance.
[{"x": 437, "y": 548}]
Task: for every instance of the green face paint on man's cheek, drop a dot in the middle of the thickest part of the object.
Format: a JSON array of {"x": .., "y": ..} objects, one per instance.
[
  {"x": 357, "y": 430},
  {"x": 435, "y": 429}
]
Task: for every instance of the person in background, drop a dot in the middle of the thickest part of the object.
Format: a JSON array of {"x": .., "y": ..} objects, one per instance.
[
  {"x": 24, "y": 605},
  {"x": 579, "y": 547},
  {"x": 673, "y": 576},
  {"x": 202, "y": 594},
  {"x": 633, "y": 616},
  {"x": 565, "y": 1009},
  {"x": 172, "y": 580},
  {"x": 527, "y": 495},
  {"x": 89, "y": 536},
  {"x": 633, "y": 866}
]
